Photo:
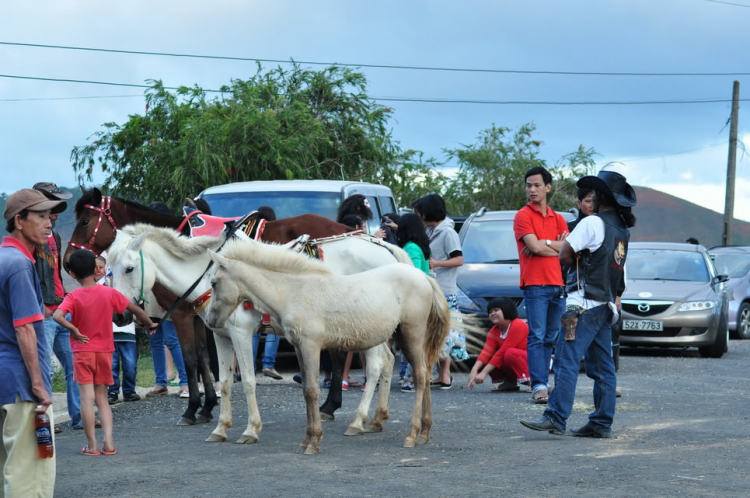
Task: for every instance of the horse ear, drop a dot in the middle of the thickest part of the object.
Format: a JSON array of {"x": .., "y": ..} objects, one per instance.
[
  {"x": 218, "y": 258},
  {"x": 97, "y": 196},
  {"x": 137, "y": 242}
]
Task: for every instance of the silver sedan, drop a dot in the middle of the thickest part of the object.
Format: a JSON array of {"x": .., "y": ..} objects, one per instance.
[{"x": 674, "y": 298}]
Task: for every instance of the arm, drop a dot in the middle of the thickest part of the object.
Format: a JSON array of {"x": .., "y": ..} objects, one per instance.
[
  {"x": 143, "y": 317},
  {"x": 448, "y": 263},
  {"x": 537, "y": 247},
  {"x": 59, "y": 317},
  {"x": 26, "y": 336},
  {"x": 567, "y": 255}
]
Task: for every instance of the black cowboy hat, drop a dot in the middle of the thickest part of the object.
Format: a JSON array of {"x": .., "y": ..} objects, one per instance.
[{"x": 612, "y": 183}]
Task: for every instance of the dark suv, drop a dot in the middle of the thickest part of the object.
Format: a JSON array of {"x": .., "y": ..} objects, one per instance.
[{"x": 491, "y": 266}]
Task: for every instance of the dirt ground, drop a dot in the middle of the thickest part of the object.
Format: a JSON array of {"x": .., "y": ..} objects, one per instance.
[{"x": 682, "y": 429}]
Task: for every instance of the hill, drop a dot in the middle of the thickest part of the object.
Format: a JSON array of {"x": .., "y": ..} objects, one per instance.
[{"x": 666, "y": 218}]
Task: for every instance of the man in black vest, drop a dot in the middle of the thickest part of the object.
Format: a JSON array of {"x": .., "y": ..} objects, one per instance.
[{"x": 599, "y": 246}]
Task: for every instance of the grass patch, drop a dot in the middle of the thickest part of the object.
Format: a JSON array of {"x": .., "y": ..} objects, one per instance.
[{"x": 145, "y": 376}]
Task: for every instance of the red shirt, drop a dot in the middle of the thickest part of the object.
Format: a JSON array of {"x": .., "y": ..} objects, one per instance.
[
  {"x": 91, "y": 309},
  {"x": 495, "y": 347},
  {"x": 59, "y": 289},
  {"x": 538, "y": 270}
]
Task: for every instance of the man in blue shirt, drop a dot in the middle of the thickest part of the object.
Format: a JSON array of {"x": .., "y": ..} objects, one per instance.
[{"x": 25, "y": 383}]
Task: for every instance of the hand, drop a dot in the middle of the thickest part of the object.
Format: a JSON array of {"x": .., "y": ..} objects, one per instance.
[
  {"x": 379, "y": 234},
  {"x": 470, "y": 385},
  {"x": 391, "y": 224},
  {"x": 151, "y": 327},
  {"x": 48, "y": 312},
  {"x": 78, "y": 337},
  {"x": 433, "y": 263},
  {"x": 527, "y": 252},
  {"x": 479, "y": 379},
  {"x": 563, "y": 235},
  {"x": 43, "y": 397}
]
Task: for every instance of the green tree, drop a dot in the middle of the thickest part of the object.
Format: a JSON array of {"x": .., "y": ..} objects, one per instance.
[
  {"x": 278, "y": 124},
  {"x": 491, "y": 171}
]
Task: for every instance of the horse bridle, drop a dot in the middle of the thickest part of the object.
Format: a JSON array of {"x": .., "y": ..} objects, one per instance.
[{"x": 104, "y": 209}]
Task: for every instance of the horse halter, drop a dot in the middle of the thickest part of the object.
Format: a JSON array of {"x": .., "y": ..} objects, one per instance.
[{"x": 104, "y": 209}]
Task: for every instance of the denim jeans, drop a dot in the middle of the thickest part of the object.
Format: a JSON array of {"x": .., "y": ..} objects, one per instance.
[
  {"x": 125, "y": 355},
  {"x": 269, "y": 351},
  {"x": 593, "y": 342},
  {"x": 167, "y": 334},
  {"x": 544, "y": 307},
  {"x": 58, "y": 339}
]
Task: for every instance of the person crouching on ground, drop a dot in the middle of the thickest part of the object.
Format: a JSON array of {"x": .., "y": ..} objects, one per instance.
[
  {"x": 92, "y": 340},
  {"x": 503, "y": 357}
]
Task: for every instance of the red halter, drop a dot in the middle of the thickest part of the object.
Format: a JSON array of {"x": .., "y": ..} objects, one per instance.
[{"x": 104, "y": 210}]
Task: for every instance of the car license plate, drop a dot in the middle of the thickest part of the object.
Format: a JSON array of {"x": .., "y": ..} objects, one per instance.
[{"x": 642, "y": 325}]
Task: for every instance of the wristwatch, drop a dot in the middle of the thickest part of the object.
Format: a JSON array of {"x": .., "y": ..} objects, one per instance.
[{"x": 548, "y": 242}]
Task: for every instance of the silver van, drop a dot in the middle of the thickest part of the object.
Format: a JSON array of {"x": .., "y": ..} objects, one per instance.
[{"x": 295, "y": 197}]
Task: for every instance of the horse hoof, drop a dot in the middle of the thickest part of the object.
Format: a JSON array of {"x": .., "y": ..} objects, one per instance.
[
  {"x": 354, "y": 431},
  {"x": 185, "y": 421},
  {"x": 423, "y": 440},
  {"x": 215, "y": 438},
  {"x": 409, "y": 443},
  {"x": 311, "y": 450},
  {"x": 326, "y": 417},
  {"x": 247, "y": 439},
  {"x": 374, "y": 428},
  {"x": 202, "y": 419}
]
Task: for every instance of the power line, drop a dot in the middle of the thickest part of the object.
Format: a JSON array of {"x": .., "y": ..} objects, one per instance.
[
  {"x": 416, "y": 99},
  {"x": 730, "y": 3},
  {"x": 30, "y": 99},
  {"x": 375, "y": 66}
]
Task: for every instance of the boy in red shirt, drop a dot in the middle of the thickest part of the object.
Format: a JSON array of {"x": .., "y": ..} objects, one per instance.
[{"x": 92, "y": 341}]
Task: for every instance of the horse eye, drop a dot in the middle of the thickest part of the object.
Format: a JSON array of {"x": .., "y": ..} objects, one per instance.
[
  {"x": 129, "y": 269},
  {"x": 84, "y": 223}
]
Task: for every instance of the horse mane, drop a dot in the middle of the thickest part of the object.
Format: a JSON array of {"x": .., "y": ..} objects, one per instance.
[
  {"x": 88, "y": 198},
  {"x": 272, "y": 257},
  {"x": 169, "y": 240}
]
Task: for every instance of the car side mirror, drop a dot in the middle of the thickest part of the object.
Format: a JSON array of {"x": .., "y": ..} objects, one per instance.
[{"x": 722, "y": 278}]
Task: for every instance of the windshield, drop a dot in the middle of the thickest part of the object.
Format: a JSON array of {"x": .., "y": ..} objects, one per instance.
[
  {"x": 656, "y": 264},
  {"x": 734, "y": 264},
  {"x": 491, "y": 241},
  {"x": 286, "y": 204}
]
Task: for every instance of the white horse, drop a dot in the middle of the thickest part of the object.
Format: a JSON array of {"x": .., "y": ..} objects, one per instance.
[
  {"x": 318, "y": 310},
  {"x": 142, "y": 255}
]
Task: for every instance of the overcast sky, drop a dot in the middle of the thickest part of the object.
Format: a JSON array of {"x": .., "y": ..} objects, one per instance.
[{"x": 677, "y": 148}]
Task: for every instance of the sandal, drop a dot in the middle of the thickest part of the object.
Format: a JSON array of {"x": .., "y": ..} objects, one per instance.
[
  {"x": 108, "y": 452},
  {"x": 354, "y": 383},
  {"x": 85, "y": 451},
  {"x": 541, "y": 397}
]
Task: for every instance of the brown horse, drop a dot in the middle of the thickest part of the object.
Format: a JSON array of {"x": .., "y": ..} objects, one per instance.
[{"x": 98, "y": 218}]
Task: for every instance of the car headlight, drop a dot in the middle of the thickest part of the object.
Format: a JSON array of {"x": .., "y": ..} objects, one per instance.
[
  {"x": 696, "y": 306},
  {"x": 464, "y": 302}
]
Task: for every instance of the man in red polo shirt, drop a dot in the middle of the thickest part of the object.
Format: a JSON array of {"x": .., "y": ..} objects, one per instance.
[{"x": 540, "y": 233}]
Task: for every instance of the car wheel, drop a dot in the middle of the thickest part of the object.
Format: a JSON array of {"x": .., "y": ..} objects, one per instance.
[
  {"x": 743, "y": 323},
  {"x": 721, "y": 345}
]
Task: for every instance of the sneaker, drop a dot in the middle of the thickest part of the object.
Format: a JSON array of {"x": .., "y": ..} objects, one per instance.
[
  {"x": 271, "y": 372},
  {"x": 407, "y": 388},
  {"x": 184, "y": 394},
  {"x": 113, "y": 399},
  {"x": 326, "y": 383},
  {"x": 237, "y": 378},
  {"x": 297, "y": 378},
  {"x": 344, "y": 385},
  {"x": 132, "y": 396}
]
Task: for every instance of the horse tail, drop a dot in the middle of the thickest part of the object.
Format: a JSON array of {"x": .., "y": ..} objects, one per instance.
[
  {"x": 438, "y": 324},
  {"x": 398, "y": 253}
]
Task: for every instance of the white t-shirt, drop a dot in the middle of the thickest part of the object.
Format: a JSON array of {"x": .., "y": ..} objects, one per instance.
[{"x": 588, "y": 234}]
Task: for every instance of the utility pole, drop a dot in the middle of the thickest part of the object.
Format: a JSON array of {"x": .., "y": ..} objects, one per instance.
[{"x": 726, "y": 238}]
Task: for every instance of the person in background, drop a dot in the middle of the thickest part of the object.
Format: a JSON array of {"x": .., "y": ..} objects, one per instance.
[
  {"x": 601, "y": 244},
  {"x": 91, "y": 307},
  {"x": 540, "y": 233},
  {"x": 445, "y": 258},
  {"x": 692, "y": 240},
  {"x": 388, "y": 228},
  {"x": 25, "y": 366},
  {"x": 49, "y": 268},
  {"x": 503, "y": 357},
  {"x": 585, "y": 206},
  {"x": 411, "y": 236},
  {"x": 166, "y": 335}
]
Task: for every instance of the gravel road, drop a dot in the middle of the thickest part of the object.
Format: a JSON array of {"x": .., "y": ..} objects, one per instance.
[{"x": 682, "y": 429}]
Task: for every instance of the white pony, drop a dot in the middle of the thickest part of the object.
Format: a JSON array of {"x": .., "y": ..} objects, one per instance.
[
  {"x": 142, "y": 255},
  {"x": 319, "y": 310}
]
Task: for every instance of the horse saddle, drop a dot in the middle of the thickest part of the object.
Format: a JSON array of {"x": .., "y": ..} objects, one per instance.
[{"x": 201, "y": 223}]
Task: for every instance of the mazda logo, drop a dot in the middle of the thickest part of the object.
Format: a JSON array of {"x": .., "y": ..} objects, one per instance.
[{"x": 644, "y": 307}]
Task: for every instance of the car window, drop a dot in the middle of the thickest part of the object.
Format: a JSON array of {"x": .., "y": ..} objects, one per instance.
[
  {"x": 490, "y": 241},
  {"x": 285, "y": 204},
  {"x": 733, "y": 264},
  {"x": 387, "y": 205},
  {"x": 657, "y": 264}
]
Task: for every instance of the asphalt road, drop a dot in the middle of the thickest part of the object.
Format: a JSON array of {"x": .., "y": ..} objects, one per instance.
[{"x": 682, "y": 429}]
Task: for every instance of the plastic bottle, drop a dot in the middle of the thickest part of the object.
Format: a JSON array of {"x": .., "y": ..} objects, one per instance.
[{"x": 43, "y": 435}]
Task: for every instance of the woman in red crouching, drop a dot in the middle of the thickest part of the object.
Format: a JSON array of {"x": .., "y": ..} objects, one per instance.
[{"x": 503, "y": 357}]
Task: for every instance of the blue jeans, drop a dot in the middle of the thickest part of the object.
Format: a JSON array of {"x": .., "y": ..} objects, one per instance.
[
  {"x": 593, "y": 342},
  {"x": 126, "y": 354},
  {"x": 58, "y": 339},
  {"x": 544, "y": 307},
  {"x": 269, "y": 352},
  {"x": 167, "y": 335}
]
